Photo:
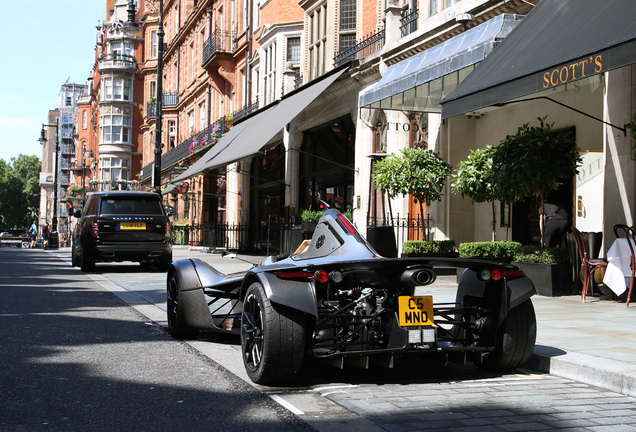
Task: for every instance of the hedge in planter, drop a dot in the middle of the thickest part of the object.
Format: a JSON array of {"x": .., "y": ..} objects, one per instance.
[
  {"x": 418, "y": 247},
  {"x": 505, "y": 250}
]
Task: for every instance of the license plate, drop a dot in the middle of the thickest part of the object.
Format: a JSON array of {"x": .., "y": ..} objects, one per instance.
[
  {"x": 415, "y": 310},
  {"x": 132, "y": 225}
]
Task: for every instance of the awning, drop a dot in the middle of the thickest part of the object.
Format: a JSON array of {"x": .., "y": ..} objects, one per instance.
[
  {"x": 168, "y": 188},
  {"x": 199, "y": 166},
  {"x": 418, "y": 83},
  {"x": 249, "y": 137},
  {"x": 560, "y": 41}
]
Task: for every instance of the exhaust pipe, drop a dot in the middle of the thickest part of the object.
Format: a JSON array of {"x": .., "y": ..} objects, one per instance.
[{"x": 418, "y": 277}]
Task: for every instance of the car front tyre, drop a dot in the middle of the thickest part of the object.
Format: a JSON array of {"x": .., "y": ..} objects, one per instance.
[
  {"x": 272, "y": 338},
  {"x": 516, "y": 337},
  {"x": 176, "y": 320}
]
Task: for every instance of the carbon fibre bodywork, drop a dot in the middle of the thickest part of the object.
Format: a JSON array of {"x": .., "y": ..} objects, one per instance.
[{"x": 352, "y": 300}]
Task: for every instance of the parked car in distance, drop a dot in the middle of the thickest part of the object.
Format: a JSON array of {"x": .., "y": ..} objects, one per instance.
[
  {"x": 5, "y": 234},
  {"x": 122, "y": 226}
]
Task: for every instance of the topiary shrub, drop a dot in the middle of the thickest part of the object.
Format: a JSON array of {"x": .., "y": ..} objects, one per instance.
[
  {"x": 489, "y": 249},
  {"x": 428, "y": 246},
  {"x": 535, "y": 254}
]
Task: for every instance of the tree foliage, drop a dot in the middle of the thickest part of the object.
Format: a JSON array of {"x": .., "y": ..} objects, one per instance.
[
  {"x": 19, "y": 190},
  {"x": 418, "y": 172},
  {"x": 475, "y": 179}
]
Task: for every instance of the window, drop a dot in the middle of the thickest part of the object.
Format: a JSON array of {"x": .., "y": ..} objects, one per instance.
[
  {"x": 116, "y": 129},
  {"x": 153, "y": 44},
  {"x": 121, "y": 48},
  {"x": 347, "y": 14},
  {"x": 192, "y": 65},
  {"x": 191, "y": 122},
  {"x": 434, "y": 7},
  {"x": 69, "y": 101},
  {"x": 293, "y": 50},
  {"x": 84, "y": 119},
  {"x": 347, "y": 27},
  {"x": 153, "y": 90},
  {"x": 317, "y": 49},
  {"x": 269, "y": 77},
  {"x": 202, "y": 116},
  {"x": 114, "y": 169},
  {"x": 172, "y": 133},
  {"x": 117, "y": 89}
]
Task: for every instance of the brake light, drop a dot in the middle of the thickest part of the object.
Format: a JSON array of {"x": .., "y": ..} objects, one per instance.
[
  {"x": 294, "y": 275},
  {"x": 347, "y": 225},
  {"x": 168, "y": 232},
  {"x": 495, "y": 274},
  {"x": 511, "y": 272},
  {"x": 322, "y": 276},
  {"x": 95, "y": 229}
]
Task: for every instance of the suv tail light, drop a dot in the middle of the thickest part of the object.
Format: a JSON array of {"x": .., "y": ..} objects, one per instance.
[
  {"x": 168, "y": 232},
  {"x": 95, "y": 229}
]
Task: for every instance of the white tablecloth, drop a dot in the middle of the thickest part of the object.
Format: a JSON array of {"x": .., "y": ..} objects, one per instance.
[{"x": 618, "y": 273}]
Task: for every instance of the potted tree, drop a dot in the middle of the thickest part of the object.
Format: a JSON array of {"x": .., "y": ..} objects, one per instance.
[
  {"x": 549, "y": 269},
  {"x": 418, "y": 172},
  {"x": 475, "y": 179},
  {"x": 533, "y": 162}
]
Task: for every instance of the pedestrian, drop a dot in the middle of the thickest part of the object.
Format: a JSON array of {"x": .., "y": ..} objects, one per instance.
[
  {"x": 557, "y": 223},
  {"x": 33, "y": 232},
  {"x": 45, "y": 235}
]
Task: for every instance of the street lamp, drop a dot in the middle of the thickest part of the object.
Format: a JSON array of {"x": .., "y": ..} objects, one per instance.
[
  {"x": 158, "y": 119},
  {"x": 53, "y": 237}
]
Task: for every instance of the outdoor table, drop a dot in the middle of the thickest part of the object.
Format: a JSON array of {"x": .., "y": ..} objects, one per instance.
[{"x": 618, "y": 273}]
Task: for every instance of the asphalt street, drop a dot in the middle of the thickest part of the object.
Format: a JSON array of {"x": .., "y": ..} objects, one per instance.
[
  {"x": 74, "y": 357},
  {"x": 416, "y": 395}
]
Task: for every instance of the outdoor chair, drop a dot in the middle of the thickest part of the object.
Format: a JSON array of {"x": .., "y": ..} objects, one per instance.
[
  {"x": 631, "y": 237},
  {"x": 620, "y": 227},
  {"x": 590, "y": 265}
]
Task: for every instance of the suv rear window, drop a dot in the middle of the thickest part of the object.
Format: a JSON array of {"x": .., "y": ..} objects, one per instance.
[{"x": 131, "y": 205}]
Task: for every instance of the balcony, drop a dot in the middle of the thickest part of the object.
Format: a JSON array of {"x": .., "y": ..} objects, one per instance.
[
  {"x": 169, "y": 100},
  {"x": 408, "y": 22},
  {"x": 116, "y": 61},
  {"x": 245, "y": 111},
  {"x": 362, "y": 49},
  {"x": 209, "y": 136},
  {"x": 67, "y": 148},
  {"x": 218, "y": 44}
]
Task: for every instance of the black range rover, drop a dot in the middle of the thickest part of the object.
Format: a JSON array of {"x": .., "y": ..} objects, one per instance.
[{"x": 122, "y": 226}]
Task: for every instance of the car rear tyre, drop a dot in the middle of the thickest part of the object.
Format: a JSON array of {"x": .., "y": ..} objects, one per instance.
[
  {"x": 516, "y": 337},
  {"x": 176, "y": 321},
  {"x": 75, "y": 259},
  {"x": 164, "y": 263},
  {"x": 272, "y": 338},
  {"x": 87, "y": 264}
]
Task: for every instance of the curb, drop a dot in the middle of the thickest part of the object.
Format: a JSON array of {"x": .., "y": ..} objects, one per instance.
[{"x": 613, "y": 375}]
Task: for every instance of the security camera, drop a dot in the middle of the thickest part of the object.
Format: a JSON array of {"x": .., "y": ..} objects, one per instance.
[
  {"x": 469, "y": 115},
  {"x": 477, "y": 115}
]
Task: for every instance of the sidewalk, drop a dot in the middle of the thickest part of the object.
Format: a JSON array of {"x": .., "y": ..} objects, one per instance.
[{"x": 592, "y": 342}]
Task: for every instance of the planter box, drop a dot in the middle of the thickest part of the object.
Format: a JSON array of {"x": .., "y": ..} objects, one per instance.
[
  {"x": 432, "y": 255},
  {"x": 550, "y": 280}
]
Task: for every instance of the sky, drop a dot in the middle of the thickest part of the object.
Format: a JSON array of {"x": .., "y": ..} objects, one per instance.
[{"x": 44, "y": 43}]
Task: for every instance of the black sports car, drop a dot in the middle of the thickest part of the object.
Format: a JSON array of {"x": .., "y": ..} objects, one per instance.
[{"x": 337, "y": 300}]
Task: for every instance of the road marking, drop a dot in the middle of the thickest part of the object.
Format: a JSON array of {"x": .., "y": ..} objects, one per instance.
[{"x": 286, "y": 404}]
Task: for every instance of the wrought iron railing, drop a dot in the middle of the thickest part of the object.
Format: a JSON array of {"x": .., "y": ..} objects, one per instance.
[
  {"x": 281, "y": 237},
  {"x": 298, "y": 80},
  {"x": 406, "y": 228},
  {"x": 67, "y": 148},
  {"x": 408, "y": 22},
  {"x": 169, "y": 99},
  {"x": 246, "y": 110},
  {"x": 183, "y": 149},
  {"x": 362, "y": 49},
  {"x": 218, "y": 41},
  {"x": 116, "y": 60}
]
